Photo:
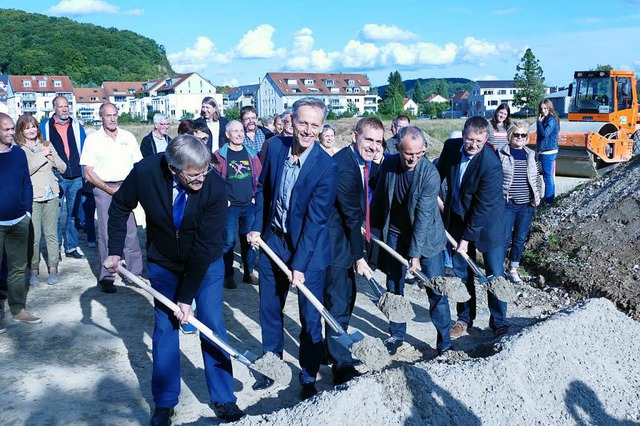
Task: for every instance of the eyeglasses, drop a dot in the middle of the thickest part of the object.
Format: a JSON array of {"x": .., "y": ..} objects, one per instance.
[
  {"x": 520, "y": 135},
  {"x": 195, "y": 178}
]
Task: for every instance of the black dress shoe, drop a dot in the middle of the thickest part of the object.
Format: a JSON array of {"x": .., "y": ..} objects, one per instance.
[
  {"x": 392, "y": 344},
  {"x": 262, "y": 383},
  {"x": 74, "y": 254},
  {"x": 344, "y": 374},
  {"x": 308, "y": 390},
  {"x": 230, "y": 283},
  {"x": 228, "y": 412},
  {"x": 162, "y": 416},
  {"x": 107, "y": 287}
]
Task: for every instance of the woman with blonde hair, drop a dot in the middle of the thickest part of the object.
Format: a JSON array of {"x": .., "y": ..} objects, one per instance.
[
  {"x": 521, "y": 187},
  {"x": 547, "y": 130},
  {"x": 42, "y": 159}
]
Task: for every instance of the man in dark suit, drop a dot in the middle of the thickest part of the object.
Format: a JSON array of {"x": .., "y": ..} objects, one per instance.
[
  {"x": 295, "y": 193},
  {"x": 474, "y": 215},
  {"x": 216, "y": 125},
  {"x": 345, "y": 224},
  {"x": 405, "y": 209},
  {"x": 181, "y": 198}
]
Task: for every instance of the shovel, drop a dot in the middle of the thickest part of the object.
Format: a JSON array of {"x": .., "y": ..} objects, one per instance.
[
  {"x": 248, "y": 358},
  {"x": 344, "y": 339},
  {"x": 455, "y": 291},
  {"x": 395, "y": 307},
  {"x": 500, "y": 287}
]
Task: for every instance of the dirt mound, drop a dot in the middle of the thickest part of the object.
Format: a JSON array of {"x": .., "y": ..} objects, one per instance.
[
  {"x": 564, "y": 370},
  {"x": 590, "y": 241}
]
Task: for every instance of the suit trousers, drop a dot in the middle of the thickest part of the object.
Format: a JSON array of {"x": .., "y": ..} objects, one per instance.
[
  {"x": 165, "y": 382},
  {"x": 339, "y": 299},
  {"x": 132, "y": 251},
  {"x": 274, "y": 287}
]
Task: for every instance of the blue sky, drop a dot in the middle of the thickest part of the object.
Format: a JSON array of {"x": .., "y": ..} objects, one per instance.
[{"x": 237, "y": 42}]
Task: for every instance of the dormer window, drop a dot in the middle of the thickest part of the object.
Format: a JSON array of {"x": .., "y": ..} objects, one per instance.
[
  {"x": 42, "y": 83},
  {"x": 57, "y": 83},
  {"x": 26, "y": 83}
]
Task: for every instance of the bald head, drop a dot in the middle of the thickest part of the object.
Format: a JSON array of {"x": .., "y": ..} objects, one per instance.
[
  {"x": 7, "y": 132},
  {"x": 235, "y": 132}
]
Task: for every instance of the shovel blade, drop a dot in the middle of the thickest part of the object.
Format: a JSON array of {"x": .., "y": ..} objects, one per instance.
[
  {"x": 250, "y": 356},
  {"x": 347, "y": 340}
]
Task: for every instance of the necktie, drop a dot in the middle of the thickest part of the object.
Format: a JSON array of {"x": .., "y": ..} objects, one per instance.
[
  {"x": 179, "y": 205},
  {"x": 366, "y": 199}
]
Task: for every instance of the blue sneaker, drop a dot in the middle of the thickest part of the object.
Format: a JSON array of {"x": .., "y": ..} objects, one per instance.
[{"x": 188, "y": 328}]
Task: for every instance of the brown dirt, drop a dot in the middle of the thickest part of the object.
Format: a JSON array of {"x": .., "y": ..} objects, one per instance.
[{"x": 589, "y": 242}]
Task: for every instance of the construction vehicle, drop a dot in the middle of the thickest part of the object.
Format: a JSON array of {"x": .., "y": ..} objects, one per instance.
[{"x": 603, "y": 123}]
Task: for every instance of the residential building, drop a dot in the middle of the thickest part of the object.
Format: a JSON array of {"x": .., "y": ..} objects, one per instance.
[
  {"x": 121, "y": 93},
  {"x": 244, "y": 95},
  {"x": 411, "y": 106},
  {"x": 435, "y": 99},
  {"x": 176, "y": 96},
  {"x": 34, "y": 94},
  {"x": 559, "y": 97},
  {"x": 279, "y": 90},
  {"x": 88, "y": 101},
  {"x": 487, "y": 95},
  {"x": 460, "y": 104}
]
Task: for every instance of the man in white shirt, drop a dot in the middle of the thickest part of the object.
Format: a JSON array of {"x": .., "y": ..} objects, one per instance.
[{"x": 108, "y": 156}]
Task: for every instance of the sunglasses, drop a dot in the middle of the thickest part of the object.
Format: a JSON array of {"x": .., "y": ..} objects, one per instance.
[{"x": 520, "y": 135}]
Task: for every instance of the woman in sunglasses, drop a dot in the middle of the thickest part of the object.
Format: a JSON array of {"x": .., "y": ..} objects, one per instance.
[{"x": 522, "y": 188}]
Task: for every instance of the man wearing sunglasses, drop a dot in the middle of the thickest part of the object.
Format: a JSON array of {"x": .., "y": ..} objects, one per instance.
[
  {"x": 186, "y": 209},
  {"x": 474, "y": 215}
]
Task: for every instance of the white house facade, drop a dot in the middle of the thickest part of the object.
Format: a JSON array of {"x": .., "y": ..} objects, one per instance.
[{"x": 34, "y": 94}]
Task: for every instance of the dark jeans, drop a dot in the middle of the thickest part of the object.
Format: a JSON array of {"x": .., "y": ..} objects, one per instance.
[
  {"x": 548, "y": 165},
  {"x": 14, "y": 240},
  {"x": 89, "y": 212},
  {"x": 239, "y": 220},
  {"x": 494, "y": 265},
  {"x": 517, "y": 219},
  {"x": 339, "y": 299},
  {"x": 70, "y": 191},
  {"x": 438, "y": 304}
]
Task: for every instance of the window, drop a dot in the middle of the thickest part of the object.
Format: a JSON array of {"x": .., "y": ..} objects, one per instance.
[
  {"x": 328, "y": 83},
  {"x": 308, "y": 82},
  {"x": 356, "y": 90},
  {"x": 488, "y": 92},
  {"x": 292, "y": 82},
  {"x": 26, "y": 83},
  {"x": 492, "y": 103},
  {"x": 57, "y": 83},
  {"x": 502, "y": 92},
  {"x": 119, "y": 99},
  {"x": 351, "y": 82},
  {"x": 335, "y": 102},
  {"x": 335, "y": 90},
  {"x": 42, "y": 83}
]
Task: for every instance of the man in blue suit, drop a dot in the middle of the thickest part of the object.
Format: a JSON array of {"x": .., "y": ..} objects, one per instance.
[
  {"x": 294, "y": 197},
  {"x": 474, "y": 215},
  {"x": 345, "y": 223}
]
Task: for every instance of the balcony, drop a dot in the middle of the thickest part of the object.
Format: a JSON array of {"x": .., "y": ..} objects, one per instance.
[
  {"x": 29, "y": 108},
  {"x": 26, "y": 97}
]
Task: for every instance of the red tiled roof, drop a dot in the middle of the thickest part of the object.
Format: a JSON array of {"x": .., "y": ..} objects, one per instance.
[
  {"x": 91, "y": 95},
  {"x": 122, "y": 88},
  {"x": 40, "y": 83},
  {"x": 176, "y": 80},
  {"x": 320, "y": 80},
  {"x": 463, "y": 94}
]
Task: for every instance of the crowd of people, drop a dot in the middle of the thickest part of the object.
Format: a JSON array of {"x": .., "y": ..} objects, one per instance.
[{"x": 283, "y": 184}]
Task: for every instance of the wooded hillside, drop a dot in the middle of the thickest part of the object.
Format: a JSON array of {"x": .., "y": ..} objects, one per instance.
[{"x": 34, "y": 44}]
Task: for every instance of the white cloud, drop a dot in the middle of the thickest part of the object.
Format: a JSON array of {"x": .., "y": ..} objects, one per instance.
[
  {"x": 82, "y": 7},
  {"x": 232, "y": 82},
  {"x": 486, "y": 77},
  {"x": 503, "y": 12},
  {"x": 479, "y": 51},
  {"x": 258, "y": 44},
  {"x": 432, "y": 54},
  {"x": 134, "y": 12},
  {"x": 298, "y": 63},
  {"x": 323, "y": 61},
  {"x": 375, "y": 32},
  {"x": 303, "y": 42},
  {"x": 359, "y": 55},
  {"x": 198, "y": 57},
  {"x": 397, "y": 54}
]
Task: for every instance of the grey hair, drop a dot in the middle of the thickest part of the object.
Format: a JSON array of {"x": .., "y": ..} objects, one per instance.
[
  {"x": 411, "y": 132},
  {"x": 285, "y": 113},
  {"x": 310, "y": 102},
  {"x": 186, "y": 151},
  {"x": 477, "y": 124},
  {"x": 266, "y": 120},
  {"x": 159, "y": 117},
  {"x": 228, "y": 126},
  {"x": 326, "y": 127},
  {"x": 104, "y": 105}
]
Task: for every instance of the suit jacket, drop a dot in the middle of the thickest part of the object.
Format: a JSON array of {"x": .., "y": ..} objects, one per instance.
[
  {"x": 148, "y": 145},
  {"x": 222, "y": 137},
  {"x": 349, "y": 210},
  {"x": 312, "y": 198},
  {"x": 188, "y": 252},
  {"x": 480, "y": 195},
  {"x": 427, "y": 230}
]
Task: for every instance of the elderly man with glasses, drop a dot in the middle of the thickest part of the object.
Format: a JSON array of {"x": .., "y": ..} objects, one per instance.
[
  {"x": 181, "y": 198},
  {"x": 157, "y": 140}
]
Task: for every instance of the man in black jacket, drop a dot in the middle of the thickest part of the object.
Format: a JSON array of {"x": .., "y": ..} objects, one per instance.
[
  {"x": 158, "y": 140},
  {"x": 347, "y": 217},
  {"x": 216, "y": 125},
  {"x": 474, "y": 215},
  {"x": 186, "y": 207}
]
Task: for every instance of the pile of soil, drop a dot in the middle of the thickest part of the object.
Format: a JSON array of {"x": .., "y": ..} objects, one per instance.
[
  {"x": 564, "y": 370},
  {"x": 589, "y": 242}
]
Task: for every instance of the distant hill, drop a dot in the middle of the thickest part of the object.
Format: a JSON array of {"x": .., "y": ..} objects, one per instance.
[
  {"x": 33, "y": 44},
  {"x": 430, "y": 86}
]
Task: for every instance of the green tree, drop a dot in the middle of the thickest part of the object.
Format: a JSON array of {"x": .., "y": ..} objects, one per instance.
[
  {"x": 392, "y": 103},
  {"x": 187, "y": 116},
  {"x": 442, "y": 88},
  {"x": 606, "y": 67},
  {"x": 232, "y": 113},
  {"x": 351, "y": 111},
  {"x": 418, "y": 94},
  {"x": 529, "y": 83}
]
